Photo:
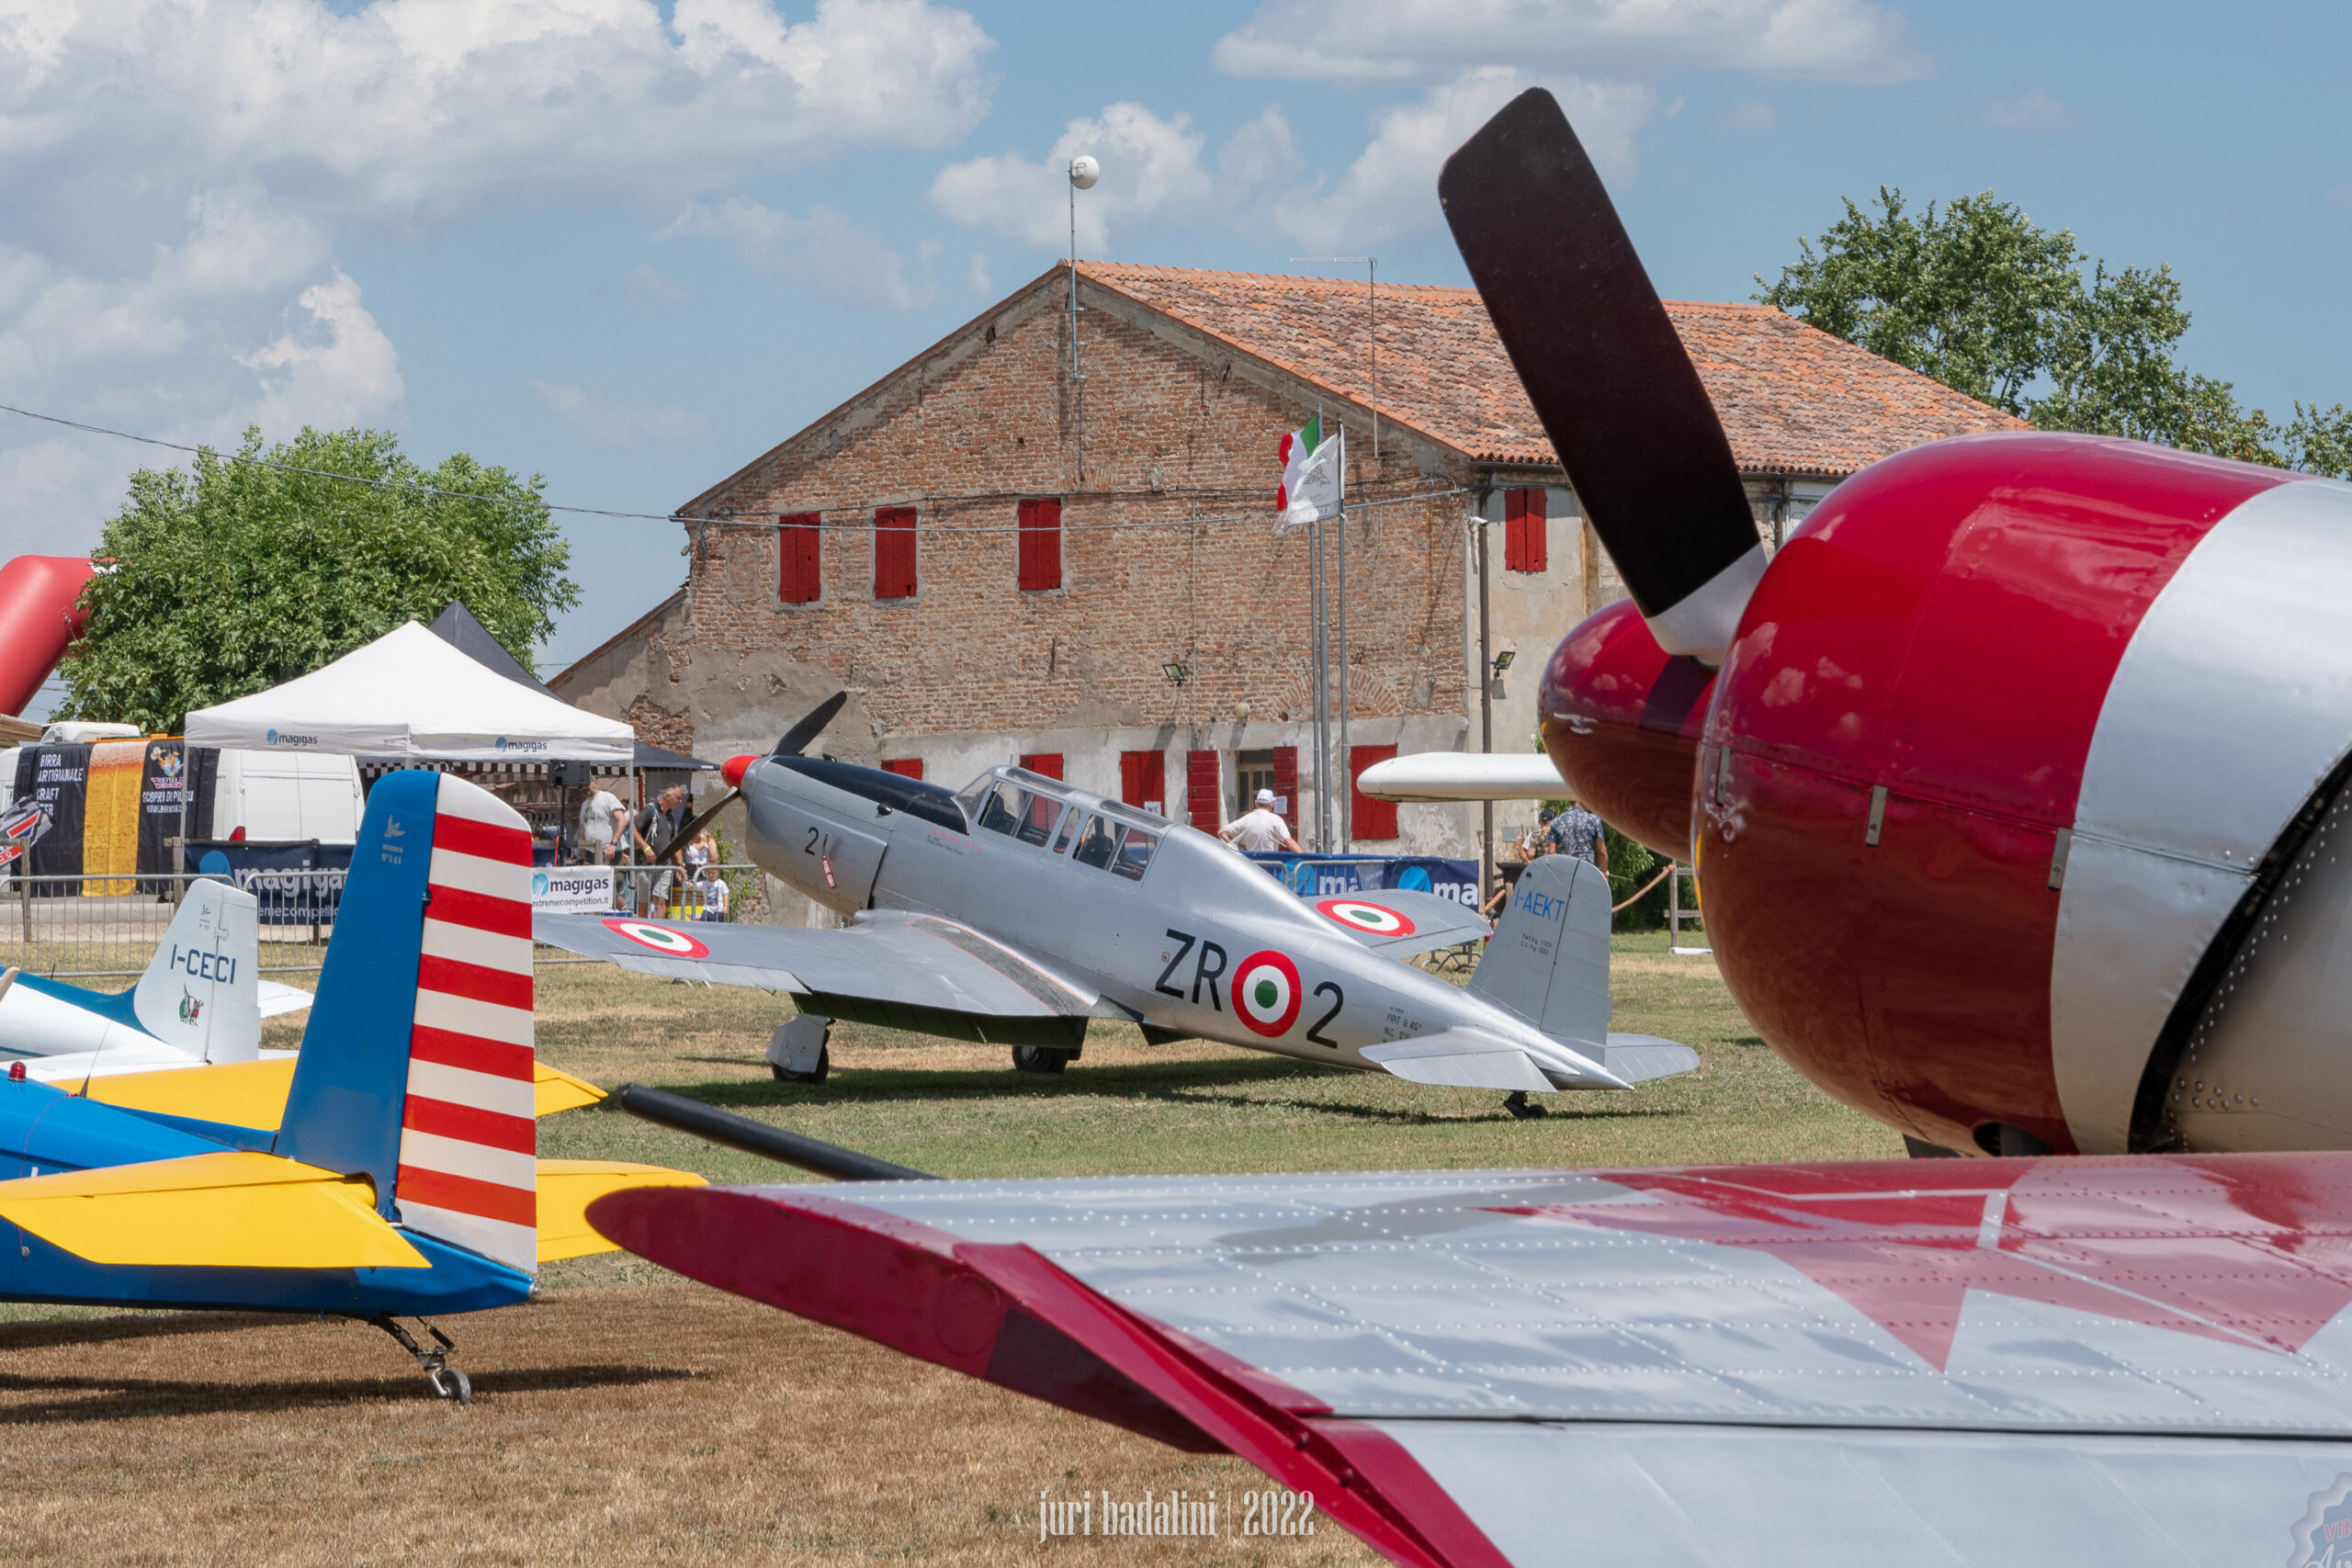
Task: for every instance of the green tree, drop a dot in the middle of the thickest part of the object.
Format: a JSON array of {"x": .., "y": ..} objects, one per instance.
[
  {"x": 230, "y": 577},
  {"x": 1978, "y": 297}
]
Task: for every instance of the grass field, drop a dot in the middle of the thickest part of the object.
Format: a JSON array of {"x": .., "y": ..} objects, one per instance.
[{"x": 633, "y": 1417}]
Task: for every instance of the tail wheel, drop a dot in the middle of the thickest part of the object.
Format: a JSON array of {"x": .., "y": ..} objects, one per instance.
[{"x": 1040, "y": 1059}]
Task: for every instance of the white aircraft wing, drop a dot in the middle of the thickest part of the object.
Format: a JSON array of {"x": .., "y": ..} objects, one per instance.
[
  {"x": 2027, "y": 1364},
  {"x": 279, "y": 998},
  {"x": 903, "y": 971},
  {"x": 1462, "y": 775}
]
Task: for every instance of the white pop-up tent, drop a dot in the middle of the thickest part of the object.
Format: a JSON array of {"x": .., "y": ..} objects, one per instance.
[{"x": 411, "y": 695}]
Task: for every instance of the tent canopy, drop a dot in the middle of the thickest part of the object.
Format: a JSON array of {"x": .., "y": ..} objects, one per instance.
[
  {"x": 409, "y": 694},
  {"x": 457, "y": 627}
]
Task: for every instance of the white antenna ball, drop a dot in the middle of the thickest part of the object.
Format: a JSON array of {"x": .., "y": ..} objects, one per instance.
[{"x": 1084, "y": 170}]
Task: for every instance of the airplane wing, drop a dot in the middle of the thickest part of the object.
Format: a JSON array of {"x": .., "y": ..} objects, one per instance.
[
  {"x": 1401, "y": 922},
  {"x": 234, "y": 1209},
  {"x": 1464, "y": 775},
  {"x": 278, "y": 998},
  {"x": 903, "y": 971},
  {"x": 568, "y": 1186},
  {"x": 2027, "y": 1362}
]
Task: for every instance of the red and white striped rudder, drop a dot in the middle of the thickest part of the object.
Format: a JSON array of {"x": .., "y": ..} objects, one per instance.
[{"x": 469, "y": 1157}]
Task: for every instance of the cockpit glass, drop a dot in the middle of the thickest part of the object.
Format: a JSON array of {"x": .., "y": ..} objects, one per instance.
[
  {"x": 1001, "y": 808},
  {"x": 1099, "y": 843},
  {"x": 1038, "y": 815},
  {"x": 1135, "y": 853},
  {"x": 1070, "y": 830}
]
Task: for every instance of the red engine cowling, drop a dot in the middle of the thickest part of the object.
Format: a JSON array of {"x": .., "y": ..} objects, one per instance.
[{"x": 1989, "y": 778}]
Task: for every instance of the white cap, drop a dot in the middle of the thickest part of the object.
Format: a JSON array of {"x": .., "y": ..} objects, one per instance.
[{"x": 1265, "y": 797}]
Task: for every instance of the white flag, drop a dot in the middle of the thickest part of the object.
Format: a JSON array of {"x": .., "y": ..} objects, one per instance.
[{"x": 1311, "y": 477}]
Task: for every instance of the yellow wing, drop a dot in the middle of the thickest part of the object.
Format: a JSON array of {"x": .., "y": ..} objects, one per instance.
[
  {"x": 253, "y": 1094},
  {"x": 233, "y": 1210},
  {"x": 568, "y": 1186}
]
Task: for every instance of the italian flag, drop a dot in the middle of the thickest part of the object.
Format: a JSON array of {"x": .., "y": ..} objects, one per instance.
[{"x": 1310, "y": 487}]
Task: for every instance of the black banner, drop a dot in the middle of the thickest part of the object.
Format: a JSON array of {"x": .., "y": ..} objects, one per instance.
[{"x": 298, "y": 885}]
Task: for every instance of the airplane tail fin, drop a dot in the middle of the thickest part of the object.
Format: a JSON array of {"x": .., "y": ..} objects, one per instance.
[
  {"x": 416, "y": 1063},
  {"x": 1549, "y": 963},
  {"x": 200, "y": 992},
  {"x": 1549, "y": 960}
]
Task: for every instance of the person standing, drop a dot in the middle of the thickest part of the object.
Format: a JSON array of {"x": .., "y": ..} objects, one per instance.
[
  {"x": 710, "y": 894},
  {"x": 1260, "y": 831},
  {"x": 602, "y": 821},
  {"x": 1578, "y": 832},
  {"x": 656, "y": 829}
]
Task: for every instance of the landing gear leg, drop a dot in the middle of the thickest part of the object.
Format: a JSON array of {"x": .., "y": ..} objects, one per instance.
[
  {"x": 448, "y": 1381},
  {"x": 798, "y": 1053},
  {"x": 1522, "y": 1107}
]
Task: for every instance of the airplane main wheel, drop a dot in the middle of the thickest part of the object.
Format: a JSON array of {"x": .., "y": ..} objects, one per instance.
[
  {"x": 824, "y": 1065},
  {"x": 1039, "y": 1059},
  {"x": 451, "y": 1383}
]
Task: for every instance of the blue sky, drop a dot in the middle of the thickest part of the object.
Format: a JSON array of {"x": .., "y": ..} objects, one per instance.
[{"x": 630, "y": 247}]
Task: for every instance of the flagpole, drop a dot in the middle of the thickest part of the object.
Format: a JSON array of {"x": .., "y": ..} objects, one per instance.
[
  {"x": 1318, "y": 650},
  {"x": 1347, "y": 758}
]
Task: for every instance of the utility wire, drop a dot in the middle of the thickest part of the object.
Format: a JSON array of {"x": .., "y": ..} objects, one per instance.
[{"x": 764, "y": 520}]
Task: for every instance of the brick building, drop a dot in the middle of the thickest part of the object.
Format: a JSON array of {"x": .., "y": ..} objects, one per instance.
[{"x": 1000, "y": 551}]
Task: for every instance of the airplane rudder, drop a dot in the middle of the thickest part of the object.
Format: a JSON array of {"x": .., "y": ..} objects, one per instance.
[
  {"x": 467, "y": 1166},
  {"x": 199, "y": 991}
]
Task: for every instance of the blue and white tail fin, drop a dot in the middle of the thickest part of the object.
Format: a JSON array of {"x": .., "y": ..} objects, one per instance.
[
  {"x": 201, "y": 993},
  {"x": 416, "y": 1065}
]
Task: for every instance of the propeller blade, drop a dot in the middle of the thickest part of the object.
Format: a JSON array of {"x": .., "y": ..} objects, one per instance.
[
  {"x": 693, "y": 825},
  {"x": 812, "y": 723},
  {"x": 1609, "y": 378}
]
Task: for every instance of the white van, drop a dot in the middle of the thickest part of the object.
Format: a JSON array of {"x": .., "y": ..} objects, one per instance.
[{"x": 279, "y": 795}]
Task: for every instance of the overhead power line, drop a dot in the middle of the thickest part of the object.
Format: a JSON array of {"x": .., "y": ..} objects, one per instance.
[{"x": 764, "y": 520}]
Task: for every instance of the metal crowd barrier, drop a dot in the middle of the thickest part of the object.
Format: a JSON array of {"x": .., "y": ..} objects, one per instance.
[{"x": 98, "y": 927}]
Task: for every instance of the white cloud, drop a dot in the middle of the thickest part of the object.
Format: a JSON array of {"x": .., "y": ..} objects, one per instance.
[
  {"x": 428, "y": 109},
  {"x": 977, "y": 276},
  {"x": 842, "y": 260},
  {"x": 337, "y": 368},
  {"x": 1374, "y": 39},
  {"x": 609, "y": 423},
  {"x": 1151, "y": 169},
  {"x": 2036, "y": 111},
  {"x": 1392, "y": 185}
]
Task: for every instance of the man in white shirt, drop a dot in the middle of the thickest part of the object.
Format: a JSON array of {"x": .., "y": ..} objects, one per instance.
[
  {"x": 1260, "y": 831},
  {"x": 602, "y": 819}
]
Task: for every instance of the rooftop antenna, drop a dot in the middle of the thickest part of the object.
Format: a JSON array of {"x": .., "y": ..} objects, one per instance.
[
  {"x": 1372, "y": 301},
  {"x": 1083, "y": 172}
]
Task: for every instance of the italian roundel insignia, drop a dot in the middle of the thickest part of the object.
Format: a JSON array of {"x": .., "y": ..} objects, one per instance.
[
  {"x": 1265, "y": 992},
  {"x": 1377, "y": 919},
  {"x": 661, "y": 939}
]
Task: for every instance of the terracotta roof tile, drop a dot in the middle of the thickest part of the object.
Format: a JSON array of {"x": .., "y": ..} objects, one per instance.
[{"x": 1792, "y": 399}]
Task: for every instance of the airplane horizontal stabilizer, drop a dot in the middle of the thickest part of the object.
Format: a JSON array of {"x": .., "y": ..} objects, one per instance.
[
  {"x": 279, "y": 998},
  {"x": 1637, "y": 1058},
  {"x": 235, "y": 1209},
  {"x": 1460, "y": 1058},
  {"x": 1462, "y": 775},
  {"x": 253, "y": 1094},
  {"x": 568, "y": 1186}
]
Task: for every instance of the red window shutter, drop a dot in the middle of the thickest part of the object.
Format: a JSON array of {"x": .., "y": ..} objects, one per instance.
[
  {"x": 796, "y": 539},
  {"x": 1041, "y": 543},
  {"x": 894, "y": 552},
  {"x": 1201, "y": 802},
  {"x": 1141, "y": 777},
  {"x": 1287, "y": 783},
  {"x": 1526, "y": 535},
  {"x": 1046, "y": 762},
  {"x": 905, "y": 767},
  {"x": 1371, "y": 818}
]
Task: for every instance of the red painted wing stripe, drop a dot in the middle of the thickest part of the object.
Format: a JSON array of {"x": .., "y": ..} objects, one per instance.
[
  {"x": 471, "y": 1124},
  {"x": 469, "y": 837},
  {"x": 474, "y": 982},
  {"x": 466, "y": 1195},
  {"x": 478, "y": 911},
  {"x": 448, "y": 1048}
]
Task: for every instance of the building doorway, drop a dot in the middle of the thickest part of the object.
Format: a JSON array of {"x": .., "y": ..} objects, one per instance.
[{"x": 1253, "y": 771}]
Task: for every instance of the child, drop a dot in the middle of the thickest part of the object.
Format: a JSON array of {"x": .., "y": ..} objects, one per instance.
[{"x": 712, "y": 889}]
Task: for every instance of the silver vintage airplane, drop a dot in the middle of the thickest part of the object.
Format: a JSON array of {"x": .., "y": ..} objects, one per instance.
[{"x": 1018, "y": 909}]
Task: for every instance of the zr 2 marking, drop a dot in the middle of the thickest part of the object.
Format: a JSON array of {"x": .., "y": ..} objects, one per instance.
[{"x": 1339, "y": 1000}]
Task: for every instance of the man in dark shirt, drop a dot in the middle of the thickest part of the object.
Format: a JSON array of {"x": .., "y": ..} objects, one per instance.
[
  {"x": 1578, "y": 832},
  {"x": 656, "y": 829}
]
